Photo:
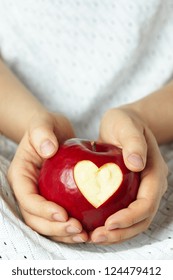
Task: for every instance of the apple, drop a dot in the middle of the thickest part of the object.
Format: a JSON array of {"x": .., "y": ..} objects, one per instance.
[{"x": 90, "y": 180}]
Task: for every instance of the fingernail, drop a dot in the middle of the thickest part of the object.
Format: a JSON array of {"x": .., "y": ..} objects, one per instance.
[
  {"x": 78, "y": 239},
  {"x": 72, "y": 229},
  {"x": 136, "y": 160},
  {"x": 47, "y": 148},
  {"x": 100, "y": 239},
  {"x": 58, "y": 217}
]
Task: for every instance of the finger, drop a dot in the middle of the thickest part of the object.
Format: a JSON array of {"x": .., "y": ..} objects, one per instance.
[
  {"x": 137, "y": 211},
  {"x": 134, "y": 146},
  {"x": 67, "y": 232},
  {"x": 133, "y": 143},
  {"x": 152, "y": 187},
  {"x": 121, "y": 130},
  {"x": 26, "y": 193},
  {"x": 104, "y": 237},
  {"x": 43, "y": 139},
  {"x": 37, "y": 205},
  {"x": 52, "y": 228},
  {"x": 78, "y": 238}
]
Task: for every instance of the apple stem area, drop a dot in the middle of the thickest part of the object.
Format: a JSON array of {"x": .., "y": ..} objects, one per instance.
[{"x": 93, "y": 145}]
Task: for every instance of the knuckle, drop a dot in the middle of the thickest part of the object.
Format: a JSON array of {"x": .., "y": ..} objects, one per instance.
[
  {"x": 45, "y": 209},
  {"x": 22, "y": 204},
  {"x": 151, "y": 207},
  {"x": 121, "y": 236},
  {"x": 132, "y": 221},
  {"x": 139, "y": 141},
  {"x": 117, "y": 236}
]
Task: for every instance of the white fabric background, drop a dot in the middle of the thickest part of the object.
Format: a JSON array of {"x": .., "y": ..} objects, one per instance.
[{"x": 81, "y": 58}]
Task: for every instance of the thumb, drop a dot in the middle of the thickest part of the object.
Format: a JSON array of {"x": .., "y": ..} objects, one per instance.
[
  {"x": 43, "y": 139},
  {"x": 132, "y": 139},
  {"x": 128, "y": 135},
  {"x": 134, "y": 149},
  {"x": 134, "y": 154}
]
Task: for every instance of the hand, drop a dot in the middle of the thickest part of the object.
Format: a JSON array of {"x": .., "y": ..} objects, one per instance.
[
  {"x": 40, "y": 142},
  {"x": 124, "y": 128}
]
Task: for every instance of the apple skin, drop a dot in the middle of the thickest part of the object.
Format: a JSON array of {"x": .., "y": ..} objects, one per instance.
[{"x": 56, "y": 181}]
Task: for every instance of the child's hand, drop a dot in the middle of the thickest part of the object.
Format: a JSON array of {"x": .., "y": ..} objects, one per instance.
[
  {"x": 40, "y": 142},
  {"x": 124, "y": 128}
]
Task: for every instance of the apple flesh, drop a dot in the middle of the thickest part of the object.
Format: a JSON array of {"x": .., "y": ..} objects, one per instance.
[
  {"x": 97, "y": 184},
  {"x": 90, "y": 180}
]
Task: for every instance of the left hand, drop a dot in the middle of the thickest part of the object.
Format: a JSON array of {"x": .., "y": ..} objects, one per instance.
[
  {"x": 124, "y": 128},
  {"x": 41, "y": 140}
]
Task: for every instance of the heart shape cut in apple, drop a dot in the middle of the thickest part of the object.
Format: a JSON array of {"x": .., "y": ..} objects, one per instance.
[
  {"x": 97, "y": 184},
  {"x": 90, "y": 180}
]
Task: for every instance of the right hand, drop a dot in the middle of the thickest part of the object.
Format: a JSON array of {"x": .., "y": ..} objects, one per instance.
[
  {"x": 123, "y": 127},
  {"x": 45, "y": 132}
]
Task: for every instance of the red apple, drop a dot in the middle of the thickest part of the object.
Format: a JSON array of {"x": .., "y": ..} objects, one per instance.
[{"x": 90, "y": 180}]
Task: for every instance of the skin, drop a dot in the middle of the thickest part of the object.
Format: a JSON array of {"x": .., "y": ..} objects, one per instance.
[{"x": 134, "y": 127}]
